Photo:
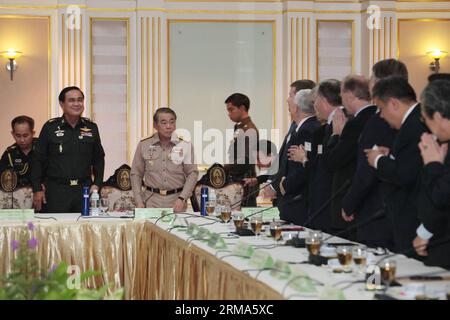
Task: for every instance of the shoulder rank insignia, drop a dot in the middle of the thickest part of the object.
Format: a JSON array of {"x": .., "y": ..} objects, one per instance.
[{"x": 148, "y": 137}]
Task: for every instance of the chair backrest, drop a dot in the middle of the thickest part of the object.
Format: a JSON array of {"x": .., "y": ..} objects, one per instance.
[
  {"x": 217, "y": 179},
  {"x": 20, "y": 198},
  {"x": 118, "y": 190}
]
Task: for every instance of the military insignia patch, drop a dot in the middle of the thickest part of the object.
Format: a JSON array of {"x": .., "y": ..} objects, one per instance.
[
  {"x": 217, "y": 177},
  {"x": 8, "y": 180},
  {"x": 123, "y": 179}
]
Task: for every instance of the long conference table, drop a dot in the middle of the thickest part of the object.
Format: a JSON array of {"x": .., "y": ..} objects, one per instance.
[{"x": 162, "y": 261}]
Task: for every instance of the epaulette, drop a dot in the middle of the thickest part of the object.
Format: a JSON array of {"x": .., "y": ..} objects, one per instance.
[
  {"x": 10, "y": 148},
  {"x": 86, "y": 119},
  {"x": 53, "y": 119},
  {"x": 148, "y": 137}
]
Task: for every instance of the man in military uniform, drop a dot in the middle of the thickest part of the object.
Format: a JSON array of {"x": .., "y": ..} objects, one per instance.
[
  {"x": 241, "y": 163},
  {"x": 164, "y": 163},
  {"x": 18, "y": 156},
  {"x": 68, "y": 156}
]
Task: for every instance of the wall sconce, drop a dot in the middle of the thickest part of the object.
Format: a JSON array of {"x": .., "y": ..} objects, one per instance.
[
  {"x": 436, "y": 55},
  {"x": 11, "y": 55}
]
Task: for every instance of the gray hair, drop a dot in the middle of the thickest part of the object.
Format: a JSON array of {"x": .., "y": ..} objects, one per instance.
[
  {"x": 436, "y": 98},
  {"x": 305, "y": 101}
]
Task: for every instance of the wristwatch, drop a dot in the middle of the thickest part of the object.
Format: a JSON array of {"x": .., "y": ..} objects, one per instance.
[{"x": 181, "y": 198}]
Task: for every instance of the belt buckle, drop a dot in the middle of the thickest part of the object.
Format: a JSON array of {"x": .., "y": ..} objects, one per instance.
[
  {"x": 74, "y": 182},
  {"x": 163, "y": 192}
]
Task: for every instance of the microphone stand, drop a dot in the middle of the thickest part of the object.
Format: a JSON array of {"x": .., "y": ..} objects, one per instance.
[{"x": 326, "y": 204}]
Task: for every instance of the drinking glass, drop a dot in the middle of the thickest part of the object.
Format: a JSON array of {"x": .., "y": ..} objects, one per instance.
[
  {"x": 210, "y": 207},
  {"x": 225, "y": 213},
  {"x": 313, "y": 242},
  {"x": 447, "y": 289},
  {"x": 359, "y": 258},
  {"x": 238, "y": 219},
  {"x": 104, "y": 206},
  {"x": 345, "y": 257},
  {"x": 275, "y": 230},
  {"x": 256, "y": 225},
  {"x": 387, "y": 269}
]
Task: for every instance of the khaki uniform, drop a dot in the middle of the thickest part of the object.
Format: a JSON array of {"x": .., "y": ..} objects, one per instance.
[
  {"x": 165, "y": 168},
  {"x": 240, "y": 157}
]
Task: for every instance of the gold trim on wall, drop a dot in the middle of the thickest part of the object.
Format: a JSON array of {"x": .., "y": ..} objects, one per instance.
[
  {"x": 153, "y": 67},
  {"x": 63, "y": 52},
  {"x": 147, "y": 76},
  {"x": 141, "y": 70},
  {"x": 274, "y": 40},
  {"x": 159, "y": 62},
  {"x": 292, "y": 49},
  {"x": 317, "y": 42}
]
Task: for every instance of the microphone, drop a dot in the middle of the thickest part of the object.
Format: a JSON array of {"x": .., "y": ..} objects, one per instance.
[
  {"x": 253, "y": 192},
  {"x": 186, "y": 213},
  {"x": 300, "y": 243},
  {"x": 294, "y": 199},
  {"x": 378, "y": 214},
  {"x": 326, "y": 204}
]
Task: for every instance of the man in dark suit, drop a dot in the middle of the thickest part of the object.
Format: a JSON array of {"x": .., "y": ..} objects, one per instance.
[
  {"x": 270, "y": 191},
  {"x": 327, "y": 102},
  {"x": 400, "y": 166},
  {"x": 363, "y": 200},
  {"x": 433, "y": 234},
  {"x": 295, "y": 179},
  {"x": 343, "y": 146}
]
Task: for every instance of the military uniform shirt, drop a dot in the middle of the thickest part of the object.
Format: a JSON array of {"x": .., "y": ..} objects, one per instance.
[
  {"x": 14, "y": 158},
  {"x": 163, "y": 167},
  {"x": 68, "y": 153}
]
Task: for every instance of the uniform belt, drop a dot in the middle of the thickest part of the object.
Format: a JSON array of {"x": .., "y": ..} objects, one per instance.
[
  {"x": 71, "y": 182},
  {"x": 163, "y": 191}
]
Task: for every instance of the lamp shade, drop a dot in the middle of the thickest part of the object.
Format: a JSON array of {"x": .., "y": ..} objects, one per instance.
[
  {"x": 437, "y": 54},
  {"x": 11, "y": 54}
]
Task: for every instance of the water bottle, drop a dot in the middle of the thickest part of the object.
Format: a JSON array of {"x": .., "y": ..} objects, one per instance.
[
  {"x": 85, "y": 202},
  {"x": 203, "y": 200},
  {"x": 95, "y": 203}
]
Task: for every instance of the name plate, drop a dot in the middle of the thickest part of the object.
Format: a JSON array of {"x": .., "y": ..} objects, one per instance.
[
  {"x": 153, "y": 213},
  {"x": 269, "y": 214},
  {"x": 243, "y": 249},
  {"x": 216, "y": 241},
  {"x": 300, "y": 281},
  {"x": 16, "y": 214},
  {"x": 281, "y": 270},
  {"x": 261, "y": 260}
]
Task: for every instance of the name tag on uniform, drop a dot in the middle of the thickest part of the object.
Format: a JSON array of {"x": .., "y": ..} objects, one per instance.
[
  {"x": 86, "y": 134},
  {"x": 18, "y": 160},
  {"x": 319, "y": 149},
  {"x": 308, "y": 146}
]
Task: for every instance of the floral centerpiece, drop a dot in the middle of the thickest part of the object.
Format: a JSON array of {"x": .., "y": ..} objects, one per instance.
[{"x": 27, "y": 281}]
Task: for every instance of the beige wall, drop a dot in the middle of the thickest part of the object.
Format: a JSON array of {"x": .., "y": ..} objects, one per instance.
[
  {"x": 415, "y": 39},
  {"x": 28, "y": 92}
]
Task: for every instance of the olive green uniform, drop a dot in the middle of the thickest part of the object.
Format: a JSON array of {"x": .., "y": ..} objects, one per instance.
[
  {"x": 65, "y": 160},
  {"x": 14, "y": 158}
]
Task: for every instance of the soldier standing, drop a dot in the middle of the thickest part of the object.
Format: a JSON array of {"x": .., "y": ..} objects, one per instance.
[
  {"x": 164, "y": 163},
  {"x": 69, "y": 155},
  {"x": 241, "y": 163}
]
